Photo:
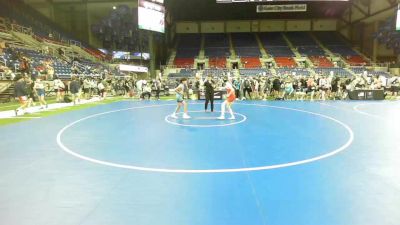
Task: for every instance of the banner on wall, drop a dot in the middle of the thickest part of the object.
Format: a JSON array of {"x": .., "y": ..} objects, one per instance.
[
  {"x": 282, "y": 8},
  {"x": 131, "y": 68},
  {"x": 398, "y": 18}
]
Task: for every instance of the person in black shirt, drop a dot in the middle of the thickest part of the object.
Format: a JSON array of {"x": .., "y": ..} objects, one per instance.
[
  {"x": 209, "y": 93},
  {"x": 335, "y": 87},
  {"x": 30, "y": 91},
  {"x": 247, "y": 88},
  {"x": 157, "y": 87},
  {"x": 20, "y": 91},
  {"x": 276, "y": 87},
  {"x": 74, "y": 88}
]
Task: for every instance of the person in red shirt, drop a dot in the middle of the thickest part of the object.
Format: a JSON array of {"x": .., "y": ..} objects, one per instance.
[{"x": 230, "y": 98}]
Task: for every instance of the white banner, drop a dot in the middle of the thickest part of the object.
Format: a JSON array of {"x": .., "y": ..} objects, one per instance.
[
  {"x": 130, "y": 68},
  {"x": 282, "y": 8},
  {"x": 398, "y": 18}
]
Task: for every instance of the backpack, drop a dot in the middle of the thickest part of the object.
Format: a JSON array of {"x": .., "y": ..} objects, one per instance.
[{"x": 67, "y": 99}]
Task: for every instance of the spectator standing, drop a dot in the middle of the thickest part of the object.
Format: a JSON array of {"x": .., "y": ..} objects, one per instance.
[
  {"x": 236, "y": 85},
  {"x": 101, "y": 89},
  {"x": 209, "y": 86},
  {"x": 157, "y": 87},
  {"x": 39, "y": 88},
  {"x": 59, "y": 89},
  {"x": 31, "y": 91},
  {"x": 247, "y": 88},
  {"x": 74, "y": 88},
  {"x": 86, "y": 88},
  {"x": 21, "y": 93}
]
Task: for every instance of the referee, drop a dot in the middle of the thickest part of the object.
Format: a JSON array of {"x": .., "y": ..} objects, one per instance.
[{"x": 209, "y": 93}]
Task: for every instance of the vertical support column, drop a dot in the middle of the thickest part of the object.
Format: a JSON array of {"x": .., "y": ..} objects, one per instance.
[
  {"x": 89, "y": 22},
  {"x": 51, "y": 11},
  {"x": 153, "y": 56},
  {"x": 351, "y": 24},
  {"x": 375, "y": 45}
]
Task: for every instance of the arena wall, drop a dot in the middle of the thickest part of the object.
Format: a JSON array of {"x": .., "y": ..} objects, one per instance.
[{"x": 234, "y": 26}]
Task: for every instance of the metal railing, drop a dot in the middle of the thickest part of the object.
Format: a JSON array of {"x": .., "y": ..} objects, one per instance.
[
  {"x": 21, "y": 29},
  {"x": 76, "y": 43}
]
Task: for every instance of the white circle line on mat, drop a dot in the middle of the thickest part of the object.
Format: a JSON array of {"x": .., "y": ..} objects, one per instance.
[
  {"x": 233, "y": 122},
  {"x": 358, "y": 110},
  {"x": 199, "y": 171}
]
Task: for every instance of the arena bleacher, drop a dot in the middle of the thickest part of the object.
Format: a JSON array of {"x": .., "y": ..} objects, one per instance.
[
  {"x": 255, "y": 53},
  {"x": 188, "y": 48},
  {"x": 216, "y": 48},
  {"x": 337, "y": 45},
  {"x": 280, "y": 47}
]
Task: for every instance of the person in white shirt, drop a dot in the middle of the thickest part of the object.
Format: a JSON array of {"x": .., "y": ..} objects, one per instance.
[
  {"x": 59, "y": 89},
  {"x": 323, "y": 87},
  {"x": 139, "y": 87},
  {"x": 40, "y": 91},
  {"x": 86, "y": 88},
  {"x": 146, "y": 94},
  {"x": 93, "y": 86},
  {"x": 230, "y": 98},
  {"x": 101, "y": 88},
  {"x": 256, "y": 87},
  {"x": 383, "y": 80}
]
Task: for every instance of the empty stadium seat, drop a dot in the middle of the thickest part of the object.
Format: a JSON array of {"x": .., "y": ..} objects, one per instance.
[
  {"x": 215, "y": 72},
  {"x": 358, "y": 70},
  {"x": 250, "y": 62},
  {"x": 217, "y": 62},
  {"x": 184, "y": 62},
  {"x": 254, "y": 72},
  {"x": 321, "y": 61},
  {"x": 245, "y": 45},
  {"x": 362, "y": 69},
  {"x": 291, "y": 71},
  {"x": 275, "y": 45},
  {"x": 188, "y": 48},
  {"x": 285, "y": 62},
  {"x": 337, "y": 45},
  {"x": 305, "y": 44},
  {"x": 356, "y": 60},
  {"x": 336, "y": 72},
  {"x": 216, "y": 46}
]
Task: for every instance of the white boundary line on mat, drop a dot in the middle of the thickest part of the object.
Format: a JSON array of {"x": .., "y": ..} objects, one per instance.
[
  {"x": 233, "y": 122},
  {"x": 358, "y": 110},
  {"x": 199, "y": 171}
]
